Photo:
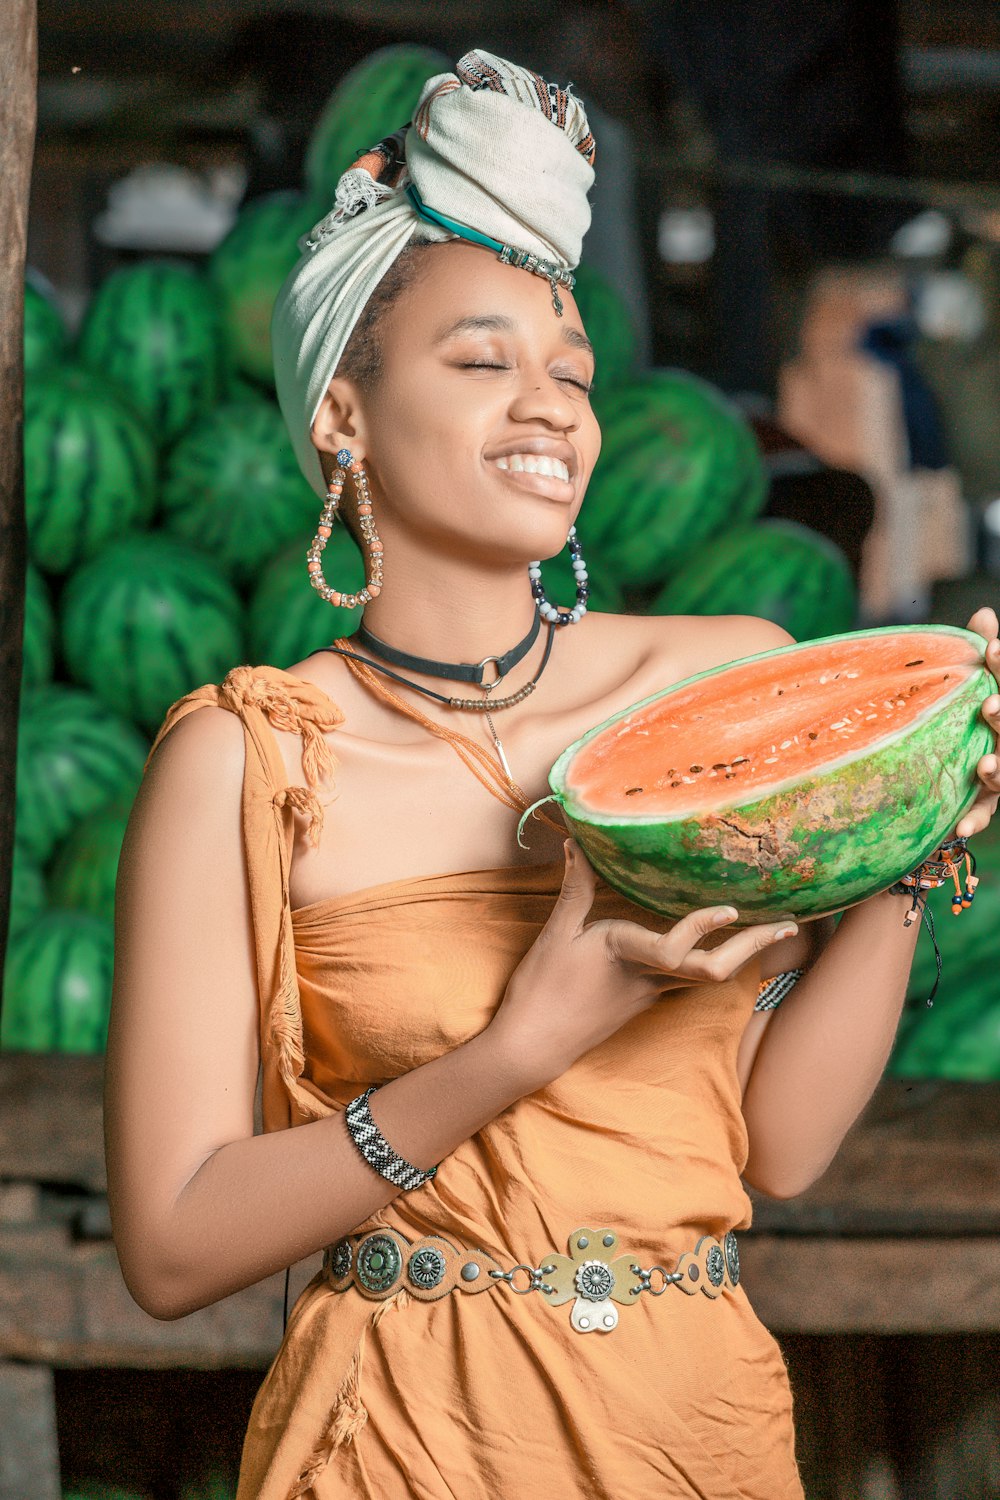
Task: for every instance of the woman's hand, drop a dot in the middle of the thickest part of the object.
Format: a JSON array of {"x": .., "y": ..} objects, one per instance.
[
  {"x": 577, "y": 983},
  {"x": 985, "y": 623}
]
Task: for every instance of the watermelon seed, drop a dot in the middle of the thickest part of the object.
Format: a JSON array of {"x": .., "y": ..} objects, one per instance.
[
  {"x": 785, "y": 744},
  {"x": 696, "y": 769},
  {"x": 631, "y": 791},
  {"x": 769, "y": 760},
  {"x": 869, "y": 717},
  {"x": 918, "y": 663},
  {"x": 781, "y": 692},
  {"x": 813, "y": 736},
  {"x": 675, "y": 783},
  {"x": 722, "y": 765},
  {"x": 730, "y": 775},
  {"x": 740, "y": 760},
  {"x": 915, "y": 688},
  {"x": 946, "y": 676}
]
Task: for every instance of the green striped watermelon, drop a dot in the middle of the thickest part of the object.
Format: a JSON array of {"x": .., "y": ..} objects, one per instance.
[
  {"x": 249, "y": 266},
  {"x": 286, "y": 618},
  {"x": 156, "y": 330},
  {"x": 607, "y": 320},
  {"x": 74, "y": 755},
  {"x": 57, "y": 984},
  {"x": 89, "y": 467},
  {"x": 28, "y": 894},
  {"x": 232, "y": 487},
  {"x": 375, "y": 98},
  {"x": 146, "y": 621},
  {"x": 46, "y": 339},
  {"x": 775, "y": 569},
  {"x": 38, "y": 641},
  {"x": 84, "y": 868},
  {"x": 794, "y": 782},
  {"x": 959, "y": 1037},
  {"x": 679, "y": 464}
]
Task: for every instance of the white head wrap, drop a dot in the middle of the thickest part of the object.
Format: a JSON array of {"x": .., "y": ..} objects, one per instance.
[{"x": 493, "y": 147}]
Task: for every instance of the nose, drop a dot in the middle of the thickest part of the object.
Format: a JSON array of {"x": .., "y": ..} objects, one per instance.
[{"x": 540, "y": 397}]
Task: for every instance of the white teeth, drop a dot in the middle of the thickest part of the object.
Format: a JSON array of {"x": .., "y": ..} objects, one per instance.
[{"x": 534, "y": 463}]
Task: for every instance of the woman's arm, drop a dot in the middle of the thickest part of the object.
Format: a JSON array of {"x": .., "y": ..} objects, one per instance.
[
  {"x": 814, "y": 1065},
  {"x": 200, "y": 1207},
  {"x": 825, "y": 1047}
]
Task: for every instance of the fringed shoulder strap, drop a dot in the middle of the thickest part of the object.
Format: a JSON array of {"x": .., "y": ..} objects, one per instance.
[{"x": 266, "y": 697}]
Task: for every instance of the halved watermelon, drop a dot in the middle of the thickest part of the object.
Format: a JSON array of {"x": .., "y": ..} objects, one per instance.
[{"x": 791, "y": 783}]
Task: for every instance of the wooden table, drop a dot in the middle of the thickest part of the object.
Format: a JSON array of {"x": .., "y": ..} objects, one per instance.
[{"x": 902, "y": 1235}]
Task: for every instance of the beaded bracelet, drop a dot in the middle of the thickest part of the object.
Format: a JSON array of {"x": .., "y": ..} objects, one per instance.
[
  {"x": 773, "y": 991},
  {"x": 943, "y": 864},
  {"x": 376, "y": 1149},
  {"x": 935, "y": 871}
]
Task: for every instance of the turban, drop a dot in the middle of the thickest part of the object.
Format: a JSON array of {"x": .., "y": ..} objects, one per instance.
[{"x": 494, "y": 154}]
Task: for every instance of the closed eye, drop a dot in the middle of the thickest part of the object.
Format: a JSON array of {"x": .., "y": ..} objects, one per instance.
[
  {"x": 482, "y": 364},
  {"x": 580, "y": 385}
]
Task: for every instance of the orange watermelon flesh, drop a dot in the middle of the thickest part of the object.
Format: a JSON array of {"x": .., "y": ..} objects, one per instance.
[
  {"x": 789, "y": 784},
  {"x": 684, "y": 755}
]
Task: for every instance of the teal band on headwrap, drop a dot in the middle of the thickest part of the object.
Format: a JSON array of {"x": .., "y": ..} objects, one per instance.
[{"x": 509, "y": 254}]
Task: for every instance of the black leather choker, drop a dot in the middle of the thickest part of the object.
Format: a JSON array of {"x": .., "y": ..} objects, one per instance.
[{"x": 458, "y": 671}]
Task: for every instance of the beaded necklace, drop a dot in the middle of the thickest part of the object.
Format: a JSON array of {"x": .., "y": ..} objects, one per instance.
[
  {"x": 480, "y": 705},
  {"x": 493, "y": 774}
]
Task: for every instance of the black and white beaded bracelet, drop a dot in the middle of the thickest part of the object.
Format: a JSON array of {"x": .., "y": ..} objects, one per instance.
[
  {"x": 774, "y": 990},
  {"x": 376, "y": 1149}
]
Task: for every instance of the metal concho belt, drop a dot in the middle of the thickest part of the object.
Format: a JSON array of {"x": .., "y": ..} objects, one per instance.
[{"x": 380, "y": 1262}]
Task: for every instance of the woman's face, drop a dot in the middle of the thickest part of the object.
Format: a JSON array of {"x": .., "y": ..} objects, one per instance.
[{"x": 481, "y": 383}]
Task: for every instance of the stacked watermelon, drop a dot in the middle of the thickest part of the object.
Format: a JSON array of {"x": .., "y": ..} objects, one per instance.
[
  {"x": 374, "y": 99},
  {"x": 775, "y": 569},
  {"x": 168, "y": 525}
]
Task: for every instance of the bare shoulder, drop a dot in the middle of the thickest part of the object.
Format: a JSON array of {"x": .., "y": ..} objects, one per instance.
[
  {"x": 697, "y": 643},
  {"x": 204, "y": 748}
]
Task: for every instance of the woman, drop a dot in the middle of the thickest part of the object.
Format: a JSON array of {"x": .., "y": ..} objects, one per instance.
[{"x": 556, "y": 1069}]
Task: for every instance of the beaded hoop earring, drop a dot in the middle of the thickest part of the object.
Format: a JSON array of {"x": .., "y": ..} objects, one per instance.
[
  {"x": 559, "y": 615},
  {"x": 347, "y": 462}
]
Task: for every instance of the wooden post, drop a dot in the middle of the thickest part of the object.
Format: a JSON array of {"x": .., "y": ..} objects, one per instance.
[{"x": 18, "y": 111}]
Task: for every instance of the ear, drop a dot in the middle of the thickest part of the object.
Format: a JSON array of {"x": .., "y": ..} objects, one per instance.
[{"x": 339, "y": 421}]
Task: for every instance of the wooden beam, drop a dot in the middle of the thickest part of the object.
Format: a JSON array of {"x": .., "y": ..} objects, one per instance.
[
  {"x": 18, "y": 87},
  {"x": 800, "y": 1284},
  {"x": 29, "y": 1452}
]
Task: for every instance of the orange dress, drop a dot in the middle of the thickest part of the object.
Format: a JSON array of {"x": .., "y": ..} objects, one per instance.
[{"x": 497, "y": 1396}]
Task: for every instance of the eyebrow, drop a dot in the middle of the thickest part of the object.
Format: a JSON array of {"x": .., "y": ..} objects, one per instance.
[{"x": 499, "y": 323}]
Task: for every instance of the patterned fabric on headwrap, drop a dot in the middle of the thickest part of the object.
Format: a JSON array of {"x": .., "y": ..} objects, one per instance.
[{"x": 493, "y": 147}]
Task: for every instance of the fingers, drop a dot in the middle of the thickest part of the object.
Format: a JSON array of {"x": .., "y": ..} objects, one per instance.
[
  {"x": 576, "y": 894},
  {"x": 977, "y": 819},
  {"x": 674, "y": 952},
  {"x": 984, "y": 622}
]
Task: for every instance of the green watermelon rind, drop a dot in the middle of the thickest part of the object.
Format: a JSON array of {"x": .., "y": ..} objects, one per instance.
[
  {"x": 673, "y": 864},
  {"x": 797, "y": 577},
  {"x": 47, "y": 1006},
  {"x": 656, "y": 497},
  {"x": 397, "y": 71}
]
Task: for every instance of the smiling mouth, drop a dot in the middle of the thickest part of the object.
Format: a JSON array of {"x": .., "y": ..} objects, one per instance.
[{"x": 533, "y": 463}]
